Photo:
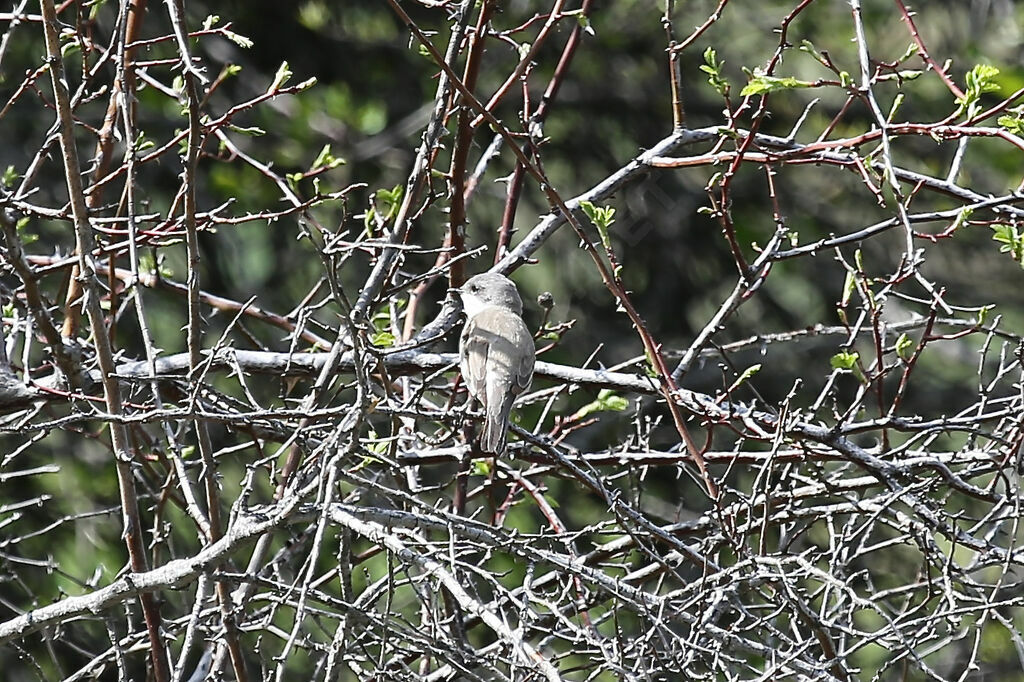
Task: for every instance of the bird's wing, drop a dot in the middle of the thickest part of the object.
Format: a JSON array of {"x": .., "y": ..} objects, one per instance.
[
  {"x": 497, "y": 354},
  {"x": 473, "y": 350},
  {"x": 496, "y": 341},
  {"x": 524, "y": 371}
]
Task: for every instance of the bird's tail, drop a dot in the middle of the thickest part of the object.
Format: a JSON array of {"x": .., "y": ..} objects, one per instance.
[{"x": 492, "y": 441}]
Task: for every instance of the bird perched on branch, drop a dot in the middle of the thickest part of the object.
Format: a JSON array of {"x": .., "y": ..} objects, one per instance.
[{"x": 496, "y": 352}]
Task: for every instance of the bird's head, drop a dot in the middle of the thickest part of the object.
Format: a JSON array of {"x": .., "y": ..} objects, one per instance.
[{"x": 489, "y": 289}]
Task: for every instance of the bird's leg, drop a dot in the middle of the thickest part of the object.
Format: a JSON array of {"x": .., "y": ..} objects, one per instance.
[
  {"x": 462, "y": 476},
  {"x": 468, "y": 417}
]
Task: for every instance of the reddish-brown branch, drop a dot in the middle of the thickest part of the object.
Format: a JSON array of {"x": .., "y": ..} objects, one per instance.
[
  {"x": 675, "y": 75},
  {"x": 524, "y": 62},
  {"x": 104, "y": 154},
  {"x": 908, "y": 19},
  {"x": 515, "y": 184},
  {"x": 123, "y": 455},
  {"x": 460, "y": 154}
]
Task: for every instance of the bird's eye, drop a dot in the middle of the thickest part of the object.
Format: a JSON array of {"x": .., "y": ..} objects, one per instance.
[{"x": 474, "y": 287}]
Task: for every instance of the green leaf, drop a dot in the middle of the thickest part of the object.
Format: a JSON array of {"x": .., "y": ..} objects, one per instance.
[
  {"x": 1004, "y": 234},
  {"x": 761, "y": 84},
  {"x": 383, "y": 339},
  {"x": 602, "y": 217},
  {"x": 983, "y": 315},
  {"x": 94, "y": 8},
  {"x": 903, "y": 346},
  {"x": 280, "y": 78},
  {"x": 599, "y": 215},
  {"x": 962, "y": 217},
  {"x": 611, "y": 401},
  {"x": 584, "y": 21},
  {"x": 980, "y": 79},
  {"x": 848, "y": 286},
  {"x": 293, "y": 180},
  {"x": 146, "y": 262},
  {"x": 896, "y": 104},
  {"x": 906, "y": 75},
  {"x": 912, "y": 50},
  {"x": 742, "y": 378},
  {"x": 70, "y": 47},
  {"x": 1013, "y": 124},
  {"x": 808, "y": 47},
  {"x": 25, "y": 236},
  {"x": 844, "y": 360},
  {"x": 142, "y": 143},
  {"x": 747, "y": 373},
  {"x": 385, "y": 202},
  {"x": 481, "y": 467},
  {"x": 1011, "y": 241},
  {"x": 607, "y": 401},
  {"x": 376, "y": 445},
  {"x": 314, "y": 15},
  {"x": 9, "y": 177},
  {"x": 252, "y": 131},
  {"x": 382, "y": 336},
  {"x": 649, "y": 367},
  {"x": 238, "y": 39},
  {"x": 369, "y": 219},
  {"x": 713, "y": 68},
  {"x": 366, "y": 461},
  {"x": 325, "y": 159}
]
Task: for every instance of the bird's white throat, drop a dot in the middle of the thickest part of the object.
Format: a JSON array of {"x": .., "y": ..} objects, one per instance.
[{"x": 473, "y": 304}]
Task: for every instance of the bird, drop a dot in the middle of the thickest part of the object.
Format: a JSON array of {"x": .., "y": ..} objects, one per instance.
[{"x": 496, "y": 352}]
